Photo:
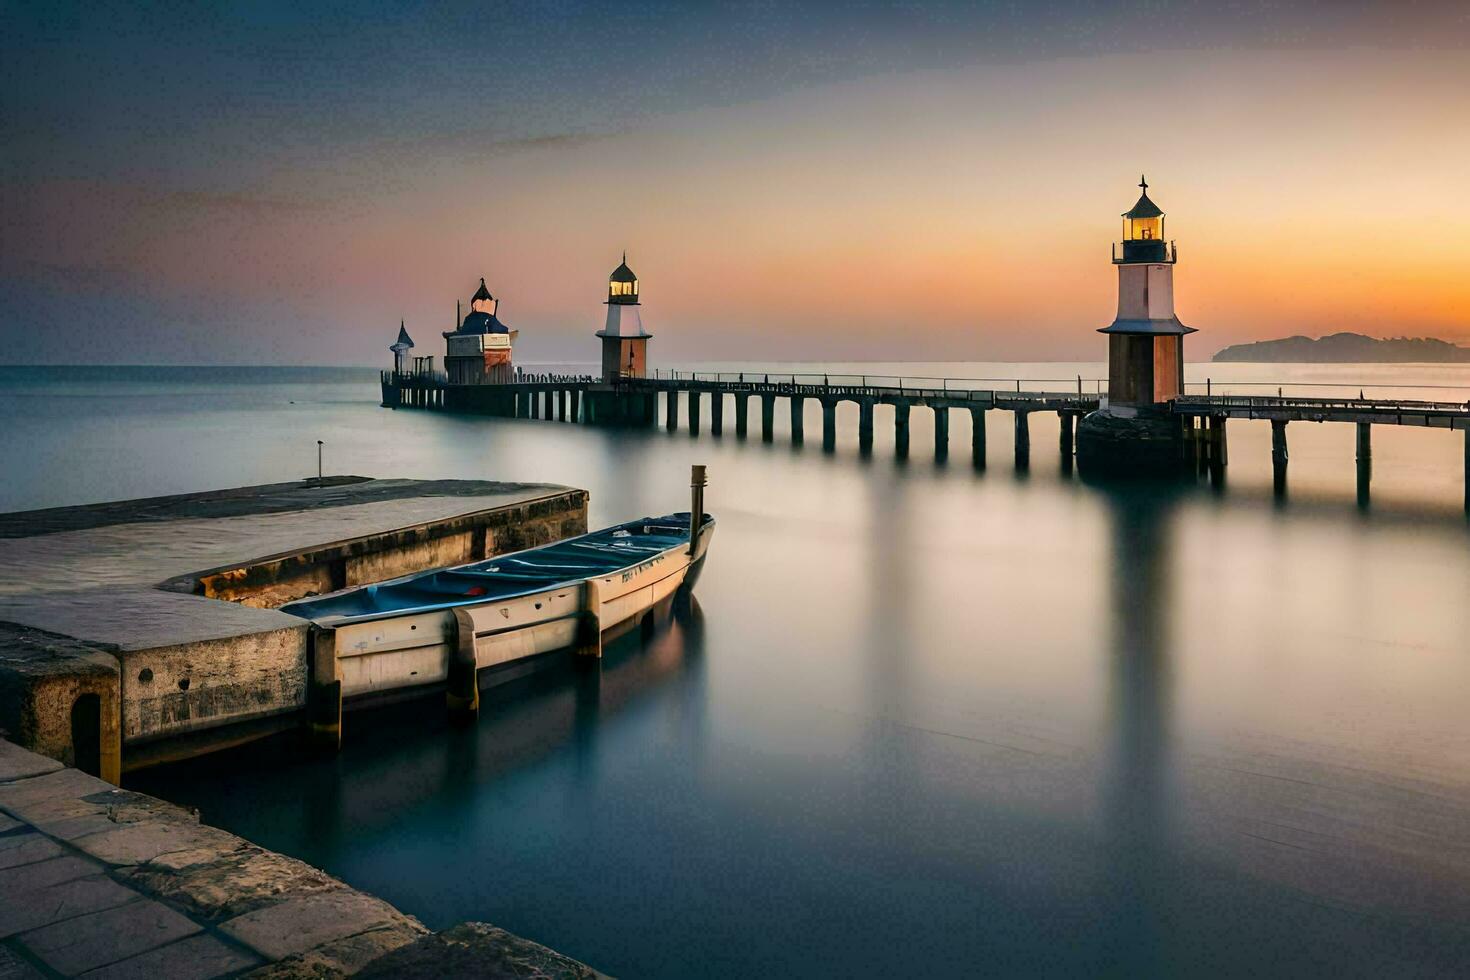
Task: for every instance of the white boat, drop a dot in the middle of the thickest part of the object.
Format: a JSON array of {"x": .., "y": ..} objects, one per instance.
[{"x": 445, "y": 625}]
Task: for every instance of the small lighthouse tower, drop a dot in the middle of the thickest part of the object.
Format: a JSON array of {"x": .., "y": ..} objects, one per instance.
[
  {"x": 624, "y": 341},
  {"x": 400, "y": 349},
  {"x": 1146, "y": 340},
  {"x": 1134, "y": 434}
]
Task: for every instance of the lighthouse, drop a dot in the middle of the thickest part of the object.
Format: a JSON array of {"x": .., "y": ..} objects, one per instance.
[
  {"x": 1133, "y": 432},
  {"x": 400, "y": 349},
  {"x": 1146, "y": 340},
  {"x": 624, "y": 341}
]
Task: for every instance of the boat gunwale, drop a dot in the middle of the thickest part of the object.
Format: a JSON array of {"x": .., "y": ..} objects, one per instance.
[{"x": 334, "y": 621}]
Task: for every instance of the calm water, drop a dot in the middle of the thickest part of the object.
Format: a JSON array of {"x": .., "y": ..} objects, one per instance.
[{"x": 927, "y": 721}]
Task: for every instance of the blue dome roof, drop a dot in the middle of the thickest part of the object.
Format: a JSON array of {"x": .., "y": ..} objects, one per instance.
[{"x": 478, "y": 322}]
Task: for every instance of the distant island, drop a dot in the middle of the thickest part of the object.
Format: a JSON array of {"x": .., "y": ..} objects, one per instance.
[{"x": 1341, "y": 348}]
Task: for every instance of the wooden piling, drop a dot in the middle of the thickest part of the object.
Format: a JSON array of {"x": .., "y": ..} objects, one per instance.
[
  {"x": 694, "y": 411},
  {"x": 768, "y": 417},
  {"x": 977, "y": 437},
  {"x": 1065, "y": 440},
  {"x": 941, "y": 431},
  {"x": 588, "y": 642},
  {"x": 324, "y": 697},
  {"x": 671, "y": 410},
  {"x": 865, "y": 425},
  {"x": 717, "y": 413},
  {"x": 1279, "y": 454},
  {"x": 1365, "y": 462},
  {"x": 1023, "y": 438},
  {"x": 798, "y": 422},
  {"x": 1467, "y": 467},
  {"x": 829, "y": 426},
  {"x": 462, "y": 687},
  {"x": 742, "y": 410},
  {"x": 901, "y": 430}
]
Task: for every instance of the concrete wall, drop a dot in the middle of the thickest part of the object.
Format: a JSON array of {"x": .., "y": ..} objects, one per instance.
[
  {"x": 44, "y": 679},
  {"x": 272, "y": 582},
  {"x": 179, "y": 689}
]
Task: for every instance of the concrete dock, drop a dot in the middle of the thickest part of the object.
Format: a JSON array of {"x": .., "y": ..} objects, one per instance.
[
  {"x": 143, "y": 631},
  {"x": 99, "y": 882}
]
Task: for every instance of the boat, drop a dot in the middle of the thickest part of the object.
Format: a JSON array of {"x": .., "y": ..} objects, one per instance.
[{"x": 415, "y": 630}]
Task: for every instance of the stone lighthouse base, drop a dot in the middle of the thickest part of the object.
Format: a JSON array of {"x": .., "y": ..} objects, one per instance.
[{"x": 1129, "y": 442}]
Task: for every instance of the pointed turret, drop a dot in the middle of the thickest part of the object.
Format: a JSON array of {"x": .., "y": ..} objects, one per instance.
[
  {"x": 482, "y": 301},
  {"x": 400, "y": 348}
]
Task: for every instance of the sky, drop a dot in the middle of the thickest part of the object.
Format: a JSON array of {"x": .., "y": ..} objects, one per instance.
[{"x": 281, "y": 183}]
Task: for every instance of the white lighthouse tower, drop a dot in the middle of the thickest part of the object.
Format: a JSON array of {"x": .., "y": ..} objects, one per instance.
[
  {"x": 624, "y": 341},
  {"x": 1146, "y": 340},
  {"x": 1134, "y": 433}
]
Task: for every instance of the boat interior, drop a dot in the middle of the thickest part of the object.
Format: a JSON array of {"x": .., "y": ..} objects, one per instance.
[{"x": 591, "y": 555}]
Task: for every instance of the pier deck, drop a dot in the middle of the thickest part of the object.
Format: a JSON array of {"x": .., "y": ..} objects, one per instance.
[
  {"x": 142, "y": 583},
  {"x": 637, "y": 402}
]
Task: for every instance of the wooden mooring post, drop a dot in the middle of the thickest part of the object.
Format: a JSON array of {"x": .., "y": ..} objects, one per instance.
[
  {"x": 1279, "y": 456},
  {"x": 1365, "y": 462},
  {"x": 977, "y": 437},
  {"x": 462, "y": 685},
  {"x": 324, "y": 695}
]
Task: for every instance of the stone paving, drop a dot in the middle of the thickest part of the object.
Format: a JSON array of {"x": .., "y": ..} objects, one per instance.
[
  {"x": 100, "y": 882},
  {"x": 107, "y": 884}
]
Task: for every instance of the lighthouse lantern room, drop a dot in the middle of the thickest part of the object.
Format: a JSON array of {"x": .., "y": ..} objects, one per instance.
[
  {"x": 624, "y": 341},
  {"x": 1146, "y": 340}
]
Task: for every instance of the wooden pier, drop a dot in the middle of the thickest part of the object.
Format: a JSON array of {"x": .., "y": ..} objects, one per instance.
[
  {"x": 1205, "y": 418},
  {"x": 635, "y": 401}
]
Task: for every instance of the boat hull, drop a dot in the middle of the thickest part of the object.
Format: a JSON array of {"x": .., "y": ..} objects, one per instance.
[{"x": 379, "y": 656}]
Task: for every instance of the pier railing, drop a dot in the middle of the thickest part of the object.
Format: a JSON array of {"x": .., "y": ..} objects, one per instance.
[
  {"x": 415, "y": 379},
  {"x": 1330, "y": 389},
  {"x": 888, "y": 382}
]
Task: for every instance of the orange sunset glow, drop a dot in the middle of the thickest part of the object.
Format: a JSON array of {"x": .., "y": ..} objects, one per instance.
[{"x": 971, "y": 208}]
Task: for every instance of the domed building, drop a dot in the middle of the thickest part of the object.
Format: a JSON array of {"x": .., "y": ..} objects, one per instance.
[{"x": 479, "y": 351}]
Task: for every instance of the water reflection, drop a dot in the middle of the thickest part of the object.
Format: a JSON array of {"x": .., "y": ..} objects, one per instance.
[
  {"x": 1137, "y": 788},
  {"x": 927, "y": 722}
]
